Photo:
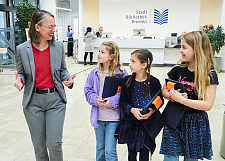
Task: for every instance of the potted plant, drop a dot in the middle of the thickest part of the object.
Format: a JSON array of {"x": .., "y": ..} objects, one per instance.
[
  {"x": 217, "y": 40},
  {"x": 24, "y": 12}
]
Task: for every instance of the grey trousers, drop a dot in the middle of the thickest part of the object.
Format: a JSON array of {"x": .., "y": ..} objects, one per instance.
[{"x": 45, "y": 116}]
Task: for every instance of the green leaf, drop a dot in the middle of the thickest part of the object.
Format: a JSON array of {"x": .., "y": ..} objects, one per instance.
[
  {"x": 24, "y": 12},
  {"x": 217, "y": 38}
]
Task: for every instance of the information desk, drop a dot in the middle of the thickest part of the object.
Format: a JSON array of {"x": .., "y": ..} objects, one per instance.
[{"x": 156, "y": 46}]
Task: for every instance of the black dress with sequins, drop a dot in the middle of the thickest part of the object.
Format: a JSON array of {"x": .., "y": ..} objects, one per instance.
[{"x": 138, "y": 133}]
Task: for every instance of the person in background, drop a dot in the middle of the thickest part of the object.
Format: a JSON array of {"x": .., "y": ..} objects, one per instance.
[
  {"x": 69, "y": 35},
  {"x": 105, "y": 112},
  {"x": 42, "y": 72},
  {"x": 210, "y": 27},
  {"x": 89, "y": 39},
  {"x": 99, "y": 33},
  {"x": 205, "y": 28},
  {"x": 138, "y": 128},
  {"x": 191, "y": 137}
]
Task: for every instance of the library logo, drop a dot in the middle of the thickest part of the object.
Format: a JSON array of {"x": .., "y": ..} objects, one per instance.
[{"x": 160, "y": 18}]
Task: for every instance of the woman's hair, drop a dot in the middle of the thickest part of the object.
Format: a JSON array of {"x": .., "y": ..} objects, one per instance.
[
  {"x": 203, "y": 54},
  {"x": 37, "y": 18},
  {"x": 88, "y": 30},
  {"x": 113, "y": 50},
  {"x": 68, "y": 28},
  {"x": 144, "y": 56}
]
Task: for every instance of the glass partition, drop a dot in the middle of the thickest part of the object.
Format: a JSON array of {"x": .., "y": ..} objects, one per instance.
[
  {"x": 7, "y": 41},
  {"x": 9, "y": 32}
]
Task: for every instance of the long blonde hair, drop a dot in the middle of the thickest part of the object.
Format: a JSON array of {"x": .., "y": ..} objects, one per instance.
[
  {"x": 203, "y": 53},
  {"x": 113, "y": 50}
]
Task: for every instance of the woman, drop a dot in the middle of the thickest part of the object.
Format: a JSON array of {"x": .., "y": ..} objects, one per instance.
[
  {"x": 99, "y": 33},
  {"x": 69, "y": 34},
  {"x": 42, "y": 72},
  {"x": 89, "y": 39}
]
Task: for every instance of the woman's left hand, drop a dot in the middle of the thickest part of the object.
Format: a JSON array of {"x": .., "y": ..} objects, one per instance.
[{"x": 70, "y": 81}]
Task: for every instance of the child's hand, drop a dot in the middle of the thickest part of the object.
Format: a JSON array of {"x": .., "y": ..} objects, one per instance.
[
  {"x": 175, "y": 95},
  {"x": 185, "y": 95},
  {"x": 103, "y": 102},
  {"x": 100, "y": 102},
  {"x": 147, "y": 115},
  {"x": 106, "y": 103},
  {"x": 136, "y": 112}
]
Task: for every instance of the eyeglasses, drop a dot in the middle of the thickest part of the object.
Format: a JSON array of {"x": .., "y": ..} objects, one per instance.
[{"x": 50, "y": 27}]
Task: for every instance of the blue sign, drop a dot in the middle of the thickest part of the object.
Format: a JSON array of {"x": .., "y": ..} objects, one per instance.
[{"x": 160, "y": 18}]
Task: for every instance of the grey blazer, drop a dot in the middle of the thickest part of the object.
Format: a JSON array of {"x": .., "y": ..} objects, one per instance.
[{"x": 26, "y": 68}]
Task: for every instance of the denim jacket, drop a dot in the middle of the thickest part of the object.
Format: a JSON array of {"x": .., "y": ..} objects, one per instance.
[{"x": 92, "y": 89}]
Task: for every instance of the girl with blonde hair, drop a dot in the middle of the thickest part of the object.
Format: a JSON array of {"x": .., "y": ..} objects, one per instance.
[
  {"x": 191, "y": 137},
  {"x": 105, "y": 111}
]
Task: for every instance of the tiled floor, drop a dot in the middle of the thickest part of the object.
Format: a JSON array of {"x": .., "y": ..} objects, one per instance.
[{"x": 79, "y": 138}]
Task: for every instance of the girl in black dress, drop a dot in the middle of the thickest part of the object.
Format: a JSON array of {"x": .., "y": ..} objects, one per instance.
[
  {"x": 140, "y": 125},
  {"x": 191, "y": 137}
]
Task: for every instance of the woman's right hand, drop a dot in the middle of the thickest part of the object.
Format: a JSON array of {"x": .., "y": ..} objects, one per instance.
[
  {"x": 137, "y": 113},
  {"x": 18, "y": 82}
]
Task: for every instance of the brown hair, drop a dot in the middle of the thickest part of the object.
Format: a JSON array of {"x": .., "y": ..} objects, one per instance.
[
  {"x": 68, "y": 28},
  {"x": 37, "y": 18},
  {"x": 144, "y": 56}
]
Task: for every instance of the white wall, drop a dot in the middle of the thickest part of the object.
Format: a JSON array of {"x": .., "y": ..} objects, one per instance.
[
  {"x": 63, "y": 19},
  {"x": 223, "y": 14},
  {"x": 183, "y": 16},
  {"x": 49, "y": 6}
]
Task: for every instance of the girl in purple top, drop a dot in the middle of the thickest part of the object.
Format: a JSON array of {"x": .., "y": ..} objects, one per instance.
[{"x": 104, "y": 112}]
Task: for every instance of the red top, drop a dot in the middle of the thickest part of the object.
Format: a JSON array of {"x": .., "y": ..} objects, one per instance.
[{"x": 43, "y": 76}]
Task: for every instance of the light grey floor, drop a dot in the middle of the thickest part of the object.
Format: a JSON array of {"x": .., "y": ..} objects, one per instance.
[{"x": 79, "y": 138}]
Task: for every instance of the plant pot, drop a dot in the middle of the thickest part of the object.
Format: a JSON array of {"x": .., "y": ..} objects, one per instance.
[
  {"x": 222, "y": 55},
  {"x": 218, "y": 63},
  {"x": 222, "y": 69},
  {"x": 222, "y": 145}
]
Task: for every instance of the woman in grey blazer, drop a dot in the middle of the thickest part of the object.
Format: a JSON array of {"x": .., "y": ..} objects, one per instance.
[{"x": 42, "y": 72}]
